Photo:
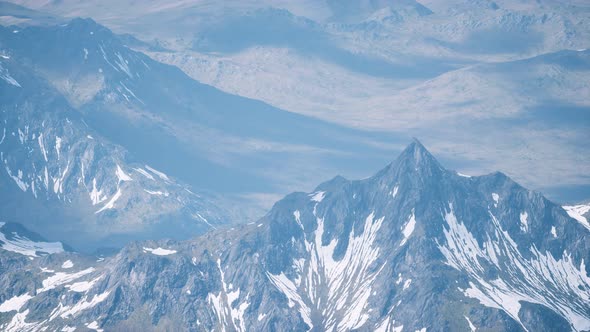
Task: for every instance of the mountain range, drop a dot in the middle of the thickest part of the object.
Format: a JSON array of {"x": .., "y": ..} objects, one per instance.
[
  {"x": 148, "y": 149},
  {"x": 416, "y": 247},
  {"x": 132, "y": 148}
]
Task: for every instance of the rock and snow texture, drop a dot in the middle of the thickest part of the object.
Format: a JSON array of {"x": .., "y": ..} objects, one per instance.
[
  {"x": 21, "y": 244},
  {"x": 51, "y": 156},
  {"x": 348, "y": 256},
  {"x": 578, "y": 212},
  {"x": 554, "y": 282},
  {"x": 338, "y": 289}
]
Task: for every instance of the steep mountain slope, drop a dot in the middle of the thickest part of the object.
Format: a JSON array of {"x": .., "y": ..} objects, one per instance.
[
  {"x": 66, "y": 181},
  {"x": 415, "y": 247},
  {"x": 185, "y": 128}
]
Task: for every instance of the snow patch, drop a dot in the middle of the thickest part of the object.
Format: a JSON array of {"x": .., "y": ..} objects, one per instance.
[
  {"x": 407, "y": 284},
  {"x": 24, "y": 246},
  {"x": 158, "y": 173},
  {"x": 159, "y": 251},
  {"x": 83, "y": 286},
  {"x": 157, "y": 193},
  {"x": 58, "y": 146},
  {"x": 556, "y": 283},
  {"x": 338, "y": 289},
  {"x": 297, "y": 216},
  {"x": 577, "y": 212},
  {"x": 122, "y": 176},
  {"x": 67, "y": 264},
  {"x": 74, "y": 310},
  {"x": 18, "y": 323},
  {"x": 42, "y": 146},
  {"x": 408, "y": 228},
  {"x": 524, "y": 224},
  {"x": 111, "y": 203},
  {"x": 94, "y": 326},
  {"x": 496, "y": 198},
  {"x": 318, "y": 196},
  {"x": 61, "y": 278},
  {"x": 5, "y": 75},
  {"x": 144, "y": 173},
  {"x": 471, "y": 326},
  {"x": 394, "y": 193},
  {"x": 95, "y": 194},
  {"x": 229, "y": 315},
  {"x": 17, "y": 179},
  {"x": 388, "y": 325},
  {"x": 15, "y": 303}
]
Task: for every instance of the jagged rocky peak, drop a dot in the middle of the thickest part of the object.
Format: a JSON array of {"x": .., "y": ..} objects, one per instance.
[
  {"x": 415, "y": 166},
  {"x": 416, "y": 155},
  {"x": 413, "y": 248}
]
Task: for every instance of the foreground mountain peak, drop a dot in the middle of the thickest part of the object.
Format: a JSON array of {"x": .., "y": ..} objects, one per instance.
[
  {"x": 415, "y": 165},
  {"x": 418, "y": 154},
  {"x": 389, "y": 253}
]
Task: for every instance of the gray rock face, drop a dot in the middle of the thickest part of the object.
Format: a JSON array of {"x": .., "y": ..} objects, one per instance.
[{"x": 414, "y": 247}]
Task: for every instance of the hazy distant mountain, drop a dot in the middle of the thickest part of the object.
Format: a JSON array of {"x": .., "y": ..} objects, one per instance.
[
  {"x": 16, "y": 238},
  {"x": 154, "y": 140},
  {"x": 413, "y": 247},
  {"x": 65, "y": 180},
  {"x": 91, "y": 109},
  {"x": 368, "y": 68}
]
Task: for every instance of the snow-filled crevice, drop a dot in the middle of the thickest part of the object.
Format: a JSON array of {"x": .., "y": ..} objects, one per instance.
[{"x": 333, "y": 294}]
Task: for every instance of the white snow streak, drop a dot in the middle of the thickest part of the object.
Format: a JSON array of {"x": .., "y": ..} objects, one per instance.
[
  {"x": 61, "y": 278},
  {"x": 337, "y": 289},
  {"x": 317, "y": 196},
  {"x": 144, "y": 173},
  {"x": 67, "y": 264},
  {"x": 111, "y": 203},
  {"x": 555, "y": 283},
  {"x": 121, "y": 175},
  {"x": 408, "y": 228},
  {"x": 577, "y": 212},
  {"x": 229, "y": 314},
  {"x": 388, "y": 325},
  {"x": 524, "y": 223},
  {"x": 158, "y": 173},
  {"x": 74, "y": 310},
  {"x": 42, "y": 146},
  {"x": 159, "y": 251},
  {"x": 24, "y": 246},
  {"x": 496, "y": 198},
  {"x": 58, "y": 146},
  {"x": 95, "y": 194},
  {"x": 471, "y": 326},
  {"x": 15, "y": 303},
  {"x": 83, "y": 286}
]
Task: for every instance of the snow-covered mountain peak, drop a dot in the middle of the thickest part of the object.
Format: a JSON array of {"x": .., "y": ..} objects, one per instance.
[{"x": 350, "y": 255}]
